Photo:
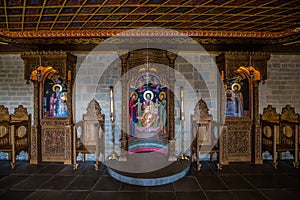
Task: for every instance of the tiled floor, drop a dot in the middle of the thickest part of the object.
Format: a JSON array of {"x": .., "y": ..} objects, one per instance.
[{"x": 236, "y": 181}]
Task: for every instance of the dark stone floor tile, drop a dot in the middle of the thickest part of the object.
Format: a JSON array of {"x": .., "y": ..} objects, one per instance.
[
  {"x": 211, "y": 183},
  {"x": 278, "y": 194},
  {"x": 107, "y": 183},
  {"x": 132, "y": 195},
  {"x": 248, "y": 195},
  {"x": 131, "y": 188},
  {"x": 2, "y": 191},
  {"x": 83, "y": 183},
  {"x": 286, "y": 166},
  {"x": 57, "y": 195},
  {"x": 190, "y": 196},
  {"x": 294, "y": 192},
  {"x": 294, "y": 175},
  {"x": 235, "y": 182},
  {"x": 88, "y": 169},
  {"x": 246, "y": 168},
  {"x": 2, "y": 176},
  {"x": 15, "y": 195},
  {"x": 74, "y": 195},
  {"x": 68, "y": 171},
  {"x": 272, "y": 181},
  {"x": 226, "y": 170},
  {"x": 45, "y": 195},
  {"x": 187, "y": 183},
  {"x": 11, "y": 180},
  {"x": 162, "y": 188},
  {"x": 58, "y": 183},
  {"x": 103, "y": 195},
  {"x": 205, "y": 169},
  {"x": 5, "y": 167},
  {"x": 33, "y": 182},
  {"x": 161, "y": 196},
  {"x": 219, "y": 195},
  {"x": 27, "y": 168},
  {"x": 51, "y": 169}
]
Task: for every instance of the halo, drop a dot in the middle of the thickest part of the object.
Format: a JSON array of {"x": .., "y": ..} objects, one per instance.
[
  {"x": 162, "y": 95},
  {"x": 148, "y": 92},
  {"x": 134, "y": 93},
  {"x": 239, "y": 86},
  {"x": 57, "y": 85}
]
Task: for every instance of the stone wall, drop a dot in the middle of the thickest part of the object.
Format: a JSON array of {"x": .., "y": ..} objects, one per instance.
[
  {"x": 96, "y": 73},
  {"x": 283, "y": 84},
  {"x": 13, "y": 88}
]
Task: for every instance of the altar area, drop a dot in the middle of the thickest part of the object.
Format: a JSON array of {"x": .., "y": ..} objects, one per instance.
[{"x": 147, "y": 114}]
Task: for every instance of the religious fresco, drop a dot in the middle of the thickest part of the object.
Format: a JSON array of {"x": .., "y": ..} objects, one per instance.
[
  {"x": 237, "y": 98},
  {"x": 55, "y": 98},
  {"x": 148, "y": 108}
]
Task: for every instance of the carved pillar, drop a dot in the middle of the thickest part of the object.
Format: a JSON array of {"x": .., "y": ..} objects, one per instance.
[
  {"x": 171, "y": 123},
  {"x": 35, "y": 154},
  {"x": 125, "y": 128},
  {"x": 257, "y": 143}
]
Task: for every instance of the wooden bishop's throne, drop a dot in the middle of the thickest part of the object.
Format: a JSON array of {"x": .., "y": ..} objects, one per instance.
[
  {"x": 242, "y": 72},
  {"x": 53, "y": 75}
]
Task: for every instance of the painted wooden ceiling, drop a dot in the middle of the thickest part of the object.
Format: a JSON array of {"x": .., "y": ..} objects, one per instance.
[{"x": 263, "y": 19}]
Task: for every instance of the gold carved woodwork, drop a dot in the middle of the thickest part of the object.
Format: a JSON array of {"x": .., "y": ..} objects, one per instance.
[
  {"x": 51, "y": 138},
  {"x": 289, "y": 133},
  {"x": 130, "y": 61},
  {"x": 5, "y": 132},
  {"x": 21, "y": 129},
  {"x": 236, "y": 140},
  {"x": 229, "y": 62},
  {"x": 15, "y": 132},
  {"x": 249, "y": 68},
  {"x": 280, "y": 132},
  {"x": 89, "y": 134}
]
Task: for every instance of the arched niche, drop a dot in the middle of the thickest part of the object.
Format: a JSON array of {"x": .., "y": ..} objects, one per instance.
[{"x": 139, "y": 68}]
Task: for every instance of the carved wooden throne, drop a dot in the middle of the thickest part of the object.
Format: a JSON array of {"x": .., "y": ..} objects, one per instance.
[
  {"x": 90, "y": 138},
  {"x": 52, "y": 74},
  {"x": 280, "y": 133},
  {"x": 5, "y": 132},
  {"x": 242, "y": 72},
  {"x": 204, "y": 139},
  {"x": 21, "y": 130}
]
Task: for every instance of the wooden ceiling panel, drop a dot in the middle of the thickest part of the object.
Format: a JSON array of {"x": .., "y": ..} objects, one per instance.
[
  {"x": 54, "y": 18},
  {"x": 167, "y": 11}
]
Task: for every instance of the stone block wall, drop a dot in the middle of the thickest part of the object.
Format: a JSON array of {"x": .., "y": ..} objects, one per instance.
[
  {"x": 13, "y": 88},
  {"x": 283, "y": 84},
  {"x": 96, "y": 73}
]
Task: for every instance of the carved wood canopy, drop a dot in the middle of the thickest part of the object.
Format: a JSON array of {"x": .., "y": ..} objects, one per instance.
[
  {"x": 229, "y": 62},
  {"x": 62, "y": 62}
]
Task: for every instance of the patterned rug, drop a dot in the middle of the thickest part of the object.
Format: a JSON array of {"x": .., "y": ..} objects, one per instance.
[{"x": 143, "y": 146}]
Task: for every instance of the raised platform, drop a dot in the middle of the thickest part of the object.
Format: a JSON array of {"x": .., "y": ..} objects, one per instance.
[{"x": 168, "y": 174}]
